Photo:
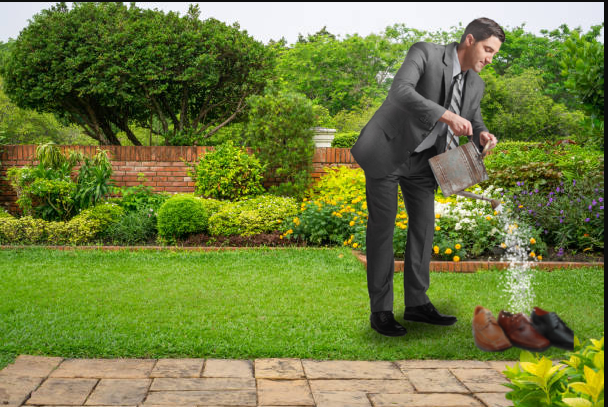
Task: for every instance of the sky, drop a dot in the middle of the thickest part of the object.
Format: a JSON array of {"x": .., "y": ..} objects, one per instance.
[{"x": 266, "y": 21}]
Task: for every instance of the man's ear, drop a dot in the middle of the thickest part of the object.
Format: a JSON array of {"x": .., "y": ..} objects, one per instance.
[{"x": 469, "y": 40}]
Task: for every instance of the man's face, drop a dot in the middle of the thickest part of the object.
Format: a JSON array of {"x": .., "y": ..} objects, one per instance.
[{"x": 480, "y": 53}]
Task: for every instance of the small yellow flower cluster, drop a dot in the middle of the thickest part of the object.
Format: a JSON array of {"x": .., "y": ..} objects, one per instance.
[
  {"x": 289, "y": 232},
  {"x": 349, "y": 242},
  {"x": 448, "y": 251}
]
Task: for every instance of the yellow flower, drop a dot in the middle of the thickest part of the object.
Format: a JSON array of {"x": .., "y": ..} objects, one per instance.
[
  {"x": 448, "y": 251},
  {"x": 532, "y": 254},
  {"x": 456, "y": 258},
  {"x": 355, "y": 245},
  {"x": 503, "y": 245},
  {"x": 458, "y": 246},
  {"x": 436, "y": 249},
  {"x": 281, "y": 237},
  {"x": 520, "y": 206},
  {"x": 532, "y": 240},
  {"x": 346, "y": 243},
  {"x": 539, "y": 257},
  {"x": 488, "y": 217},
  {"x": 437, "y": 228},
  {"x": 437, "y": 216},
  {"x": 495, "y": 213},
  {"x": 352, "y": 223}
]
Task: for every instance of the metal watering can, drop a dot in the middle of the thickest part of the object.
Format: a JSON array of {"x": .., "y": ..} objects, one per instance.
[{"x": 460, "y": 168}]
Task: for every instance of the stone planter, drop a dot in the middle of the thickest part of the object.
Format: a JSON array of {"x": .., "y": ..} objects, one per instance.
[{"x": 323, "y": 137}]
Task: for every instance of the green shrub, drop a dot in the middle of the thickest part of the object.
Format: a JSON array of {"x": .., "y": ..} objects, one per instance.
[
  {"x": 180, "y": 215},
  {"x": 345, "y": 140},
  {"x": 253, "y": 216},
  {"x": 279, "y": 128},
  {"x": 229, "y": 173},
  {"x": 340, "y": 182},
  {"x": 140, "y": 197},
  {"x": 48, "y": 191},
  {"x": 541, "y": 164},
  {"x": 570, "y": 215},
  {"x": 578, "y": 382},
  {"x": 82, "y": 228},
  {"x": 134, "y": 227}
]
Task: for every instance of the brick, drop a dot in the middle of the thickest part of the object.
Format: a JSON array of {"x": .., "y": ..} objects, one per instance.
[
  {"x": 362, "y": 385},
  {"x": 494, "y": 399},
  {"x": 228, "y": 368},
  {"x": 351, "y": 370},
  {"x": 105, "y": 368},
  {"x": 341, "y": 398},
  {"x": 279, "y": 369},
  {"x": 178, "y": 368},
  {"x": 202, "y": 384},
  {"x": 119, "y": 392},
  {"x": 15, "y": 389},
  {"x": 481, "y": 380},
  {"x": 441, "y": 364},
  {"x": 284, "y": 392},
  {"x": 241, "y": 398},
  {"x": 435, "y": 381},
  {"x": 31, "y": 366},
  {"x": 71, "y": 392},
  {"x": 423, "y": 400}
]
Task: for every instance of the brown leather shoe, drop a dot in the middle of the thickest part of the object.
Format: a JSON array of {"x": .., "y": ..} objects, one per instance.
[
  {"x": 521, "y": 332},
  {"x": 488, "y": 335}
]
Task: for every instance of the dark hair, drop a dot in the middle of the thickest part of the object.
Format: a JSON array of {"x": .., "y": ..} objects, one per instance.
[{"x": 482, "y": 29}]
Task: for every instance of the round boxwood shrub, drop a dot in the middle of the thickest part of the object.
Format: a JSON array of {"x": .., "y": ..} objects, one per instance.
[
  {"x": 181, "y": 215},
  {"x": 229, "y": 173}
]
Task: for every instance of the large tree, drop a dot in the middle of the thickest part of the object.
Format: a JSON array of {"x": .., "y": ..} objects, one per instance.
[{"x": 106, "y": 67}]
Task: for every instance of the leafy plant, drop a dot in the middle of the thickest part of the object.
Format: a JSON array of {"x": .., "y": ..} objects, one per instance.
[
  {"x": 345, "y": 140},
  {"x": 181, "y": 215},
  {"x": 141, "y": 197},
  {"x": 228, "y": 172},
  {"x": 279, "y": 129},
  {"x": 263, "y": 214},
  {"x": 579, "y": 382}
]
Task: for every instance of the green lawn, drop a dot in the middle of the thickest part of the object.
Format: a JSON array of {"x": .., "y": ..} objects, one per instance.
[{"x": 305, "y": 303}]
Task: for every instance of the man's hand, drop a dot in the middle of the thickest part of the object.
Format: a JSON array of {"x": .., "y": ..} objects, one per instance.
[
  {"x": 485, "y": 138},
  {"x": 459, "y": 125}
]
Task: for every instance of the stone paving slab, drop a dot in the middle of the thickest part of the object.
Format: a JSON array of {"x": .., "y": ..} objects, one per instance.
[
  {"x": 105, "y": 368},
  {"x": 71, "y": 392},
  {"x": 178, "y": 368},
  {"x": 14, "y": 390},
  {"x": 336, "y": 369},
  {"x": 31, "y": 366},
  {"x": 266, "y": 382}
]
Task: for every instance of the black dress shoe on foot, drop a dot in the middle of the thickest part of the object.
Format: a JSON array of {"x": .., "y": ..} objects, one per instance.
[
  {"x": 427, "y": 313},
  {"x": 384, "y": 323}
]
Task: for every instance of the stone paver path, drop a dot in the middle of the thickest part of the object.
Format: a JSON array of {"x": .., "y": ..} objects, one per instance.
[{"x": 52, "y": 381}]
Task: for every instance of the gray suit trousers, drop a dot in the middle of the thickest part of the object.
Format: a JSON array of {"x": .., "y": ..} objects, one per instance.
[{"x": 418, "y": 185}]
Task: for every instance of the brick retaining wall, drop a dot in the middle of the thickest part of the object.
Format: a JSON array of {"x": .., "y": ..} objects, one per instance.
[{"x": 163, "y": 166}]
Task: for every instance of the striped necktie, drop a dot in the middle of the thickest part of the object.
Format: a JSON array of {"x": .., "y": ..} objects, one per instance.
[{"x": 452, "y": 141}]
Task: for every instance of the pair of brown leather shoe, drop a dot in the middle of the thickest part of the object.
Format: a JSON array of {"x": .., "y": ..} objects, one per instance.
[{"x": 517, "y": 330}]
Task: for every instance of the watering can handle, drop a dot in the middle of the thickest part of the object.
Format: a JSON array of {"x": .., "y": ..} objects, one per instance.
[{"x": 485, "y": 150}]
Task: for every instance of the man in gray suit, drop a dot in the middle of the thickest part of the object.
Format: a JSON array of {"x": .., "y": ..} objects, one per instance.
[{"x": 435, "y": 98}]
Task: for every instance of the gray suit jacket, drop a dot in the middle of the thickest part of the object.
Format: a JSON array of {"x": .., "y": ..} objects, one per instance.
[{"x": 413, "y": 107}]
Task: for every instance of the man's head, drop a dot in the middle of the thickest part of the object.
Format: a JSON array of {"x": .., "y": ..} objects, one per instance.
[{"x": 481, "y": 40}]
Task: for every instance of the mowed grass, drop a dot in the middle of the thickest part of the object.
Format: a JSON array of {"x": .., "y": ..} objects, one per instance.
[{"x": 246, "y": 304}]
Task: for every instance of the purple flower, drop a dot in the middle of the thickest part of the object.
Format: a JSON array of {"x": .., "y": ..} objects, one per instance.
[
  {"x": 536, "y": 190},
  {"x": 602, "y": 207},
  {"x": 594, "y": 202},
  {"x": 590, "y": 207},
  {"x": 561, "y": 212},
  {"x": 573, "y": 183},
  {"x": 557, "y": 190},
  {"x": 546, "y": 232},
  {"x": 587, "y": 219},
  {"x": 560, "y": 252},
  {"x": 561, "y": 220},
  {"x": 597, "y": 216},
  {"x": 551, "y": 193},
  {"x": 601, "y": 199},
  {"x": 550, "y": 200},
  {"x": 519, "y": 184}
]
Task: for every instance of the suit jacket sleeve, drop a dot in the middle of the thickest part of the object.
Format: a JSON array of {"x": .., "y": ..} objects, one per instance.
[
  {"x": 478, "y": 125},
  {"x": 403, "y": 93}
]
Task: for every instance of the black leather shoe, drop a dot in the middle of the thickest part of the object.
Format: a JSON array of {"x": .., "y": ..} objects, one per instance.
[
  {"x": 427, "y": 313},
  {"x": 384, "y": 323},
  {"x": 553, "y": 328}
]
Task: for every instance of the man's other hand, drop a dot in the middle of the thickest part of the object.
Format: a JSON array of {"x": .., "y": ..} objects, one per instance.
[{"x": 485, "y": 138}]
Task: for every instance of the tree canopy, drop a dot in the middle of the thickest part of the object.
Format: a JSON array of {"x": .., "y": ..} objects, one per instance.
[{"x": 106, "y": 66}]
